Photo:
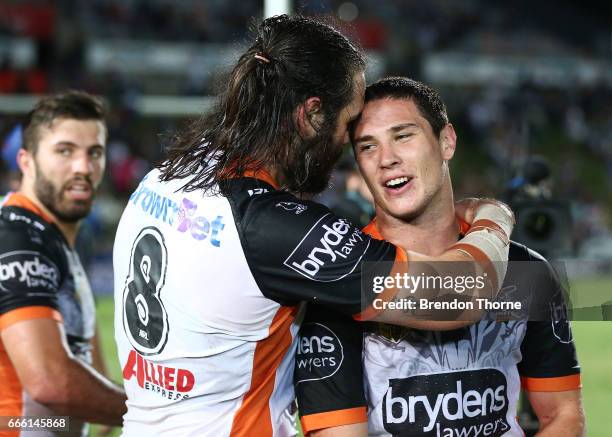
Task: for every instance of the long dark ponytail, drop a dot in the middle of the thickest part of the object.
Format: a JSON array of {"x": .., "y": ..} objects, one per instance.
[{"x": 252, "y": 124}]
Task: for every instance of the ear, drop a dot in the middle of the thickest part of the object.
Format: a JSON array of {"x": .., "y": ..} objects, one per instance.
[
  {"x": 25, "y": 161},
  {"x": 309, "y": 117},
  {"x": 448, "y": 141}
]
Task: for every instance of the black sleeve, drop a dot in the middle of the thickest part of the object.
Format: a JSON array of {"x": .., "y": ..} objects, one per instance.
[
  {"x": 548, "y": 349},
  {"x": 328, "y": 369},
  {"x": 300, "y": 251},
  {"x": 29, "y": 276}
]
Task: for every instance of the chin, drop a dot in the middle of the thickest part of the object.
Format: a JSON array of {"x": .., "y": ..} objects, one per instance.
[
  {"x": 74, "y": 214},
  {"x": 406, "y": 213},
  {"x": 75, "y": 217}
]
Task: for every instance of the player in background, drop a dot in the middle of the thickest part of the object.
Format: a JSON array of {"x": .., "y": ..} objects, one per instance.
[
  {"x": 215, "y": 251},
  {"x": 47, "y": 315},
  {"x": 459, "y": 382}
]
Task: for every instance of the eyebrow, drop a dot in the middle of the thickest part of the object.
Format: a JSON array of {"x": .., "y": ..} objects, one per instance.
[
  {"x": 402, "y": 126},
  {"x": 396, "y": 128},
  {"x": 71, "y": 144},
  {"x": 364, "y": 138}
]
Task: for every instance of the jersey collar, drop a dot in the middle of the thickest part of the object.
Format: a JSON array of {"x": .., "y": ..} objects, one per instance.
[
  {"x": 22, "y": 201},
  {"x": 372, "y": 228},
  {"x": 262, "y": 175}
]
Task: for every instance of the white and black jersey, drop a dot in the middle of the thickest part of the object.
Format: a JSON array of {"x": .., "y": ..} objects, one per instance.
[
  {"x": 408, "y": 382},
  {"x": 208, "y": 291}
]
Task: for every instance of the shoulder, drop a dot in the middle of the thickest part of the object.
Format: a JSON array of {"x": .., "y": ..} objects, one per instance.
[
  {"x": 534, "y": 280},
  {"x": 33, "y": 264},
  {"x": 263, "y": 213},
  {"x": 25, "y": 238},
  {"x": 253, "y": 198},
  {"x": 531, "y": 263},
  {"x": 298, "y": 249},
  {"x": 520, "y": 252},
  {"x": 526, "y": 263},
  {"x": 22, "y": 228}
]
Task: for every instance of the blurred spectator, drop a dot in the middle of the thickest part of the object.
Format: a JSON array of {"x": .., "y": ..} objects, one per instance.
[
  {"x": 501, "y": 125},
  {"x": 349, "y": 197}
]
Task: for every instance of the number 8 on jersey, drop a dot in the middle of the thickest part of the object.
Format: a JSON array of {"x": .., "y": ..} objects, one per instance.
[{"x": 145, "y": 320}]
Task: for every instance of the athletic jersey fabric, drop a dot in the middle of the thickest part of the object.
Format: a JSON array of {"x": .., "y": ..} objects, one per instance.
[
  {"x": 40, "y": 277},
  {"x": 208, "y": 291},
  {"x": 408, "y": 382}
]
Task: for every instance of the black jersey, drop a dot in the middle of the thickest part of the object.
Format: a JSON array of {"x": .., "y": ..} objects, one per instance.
[{"x": 40, "y": 277}]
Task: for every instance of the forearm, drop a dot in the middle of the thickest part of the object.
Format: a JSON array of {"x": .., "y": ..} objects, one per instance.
[
  {"x": 565, "y": 425},
  {"x": 433, "y": 307},
  {"x": 81, "y": 392},
  {"x": 559, "y": 413},
  {"x": 478, "y": 261},
  {"x": 54, "y": 377}
]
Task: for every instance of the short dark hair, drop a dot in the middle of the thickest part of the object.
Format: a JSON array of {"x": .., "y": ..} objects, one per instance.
[
  {"x": 426, "y": 99},
  {"x": 252, "y": 125},
  {"x": 77, "y": 105}
]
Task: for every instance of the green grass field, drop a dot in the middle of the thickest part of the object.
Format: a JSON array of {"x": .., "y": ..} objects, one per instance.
[{"x": 592, "y": 338}]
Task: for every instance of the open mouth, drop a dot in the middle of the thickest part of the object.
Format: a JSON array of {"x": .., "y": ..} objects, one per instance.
[
  {"x": 398, "y": 183},
  {"x": 79, "y": 190}
]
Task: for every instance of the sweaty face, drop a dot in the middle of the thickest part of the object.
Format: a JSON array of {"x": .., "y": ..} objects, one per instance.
[
  {"x": 315, "y": 157},
  {"x": 403, "y": 162},
  {"x": 69, "y": 165}
]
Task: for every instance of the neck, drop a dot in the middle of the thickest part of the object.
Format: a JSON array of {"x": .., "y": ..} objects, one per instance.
[
  {"x": 431, "y": 233},
  {"x": 68, "y": 229}
]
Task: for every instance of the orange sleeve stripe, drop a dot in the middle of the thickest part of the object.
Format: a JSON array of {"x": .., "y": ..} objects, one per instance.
[
  {"x": 491, "y": 226},
  {"x": 328, "y": 419},
  {"x": 480, "y": 257},
  {"x": 561, "y": 383},
  {"x": 388, "y": 294},
  {"x": 486, "y": 223},
  {"x": 28, "y": 313}
]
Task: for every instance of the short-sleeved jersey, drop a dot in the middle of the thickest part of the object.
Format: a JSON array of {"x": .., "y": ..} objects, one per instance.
[
  {"x": 208, "y": 290},
  {"x": 40, "y": 277},
  {"x": 408, "y": 382}
]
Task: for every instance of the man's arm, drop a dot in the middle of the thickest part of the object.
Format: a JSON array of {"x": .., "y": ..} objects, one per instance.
[
  {"x": 550, "y": 373},
  {"x": 481, "y": 254},
  {"x": 98, "y": 361},
  {"x": 52, "y": 376},
  {"x": 559, "y": 413},
  {"x": 315, "y": 256}
]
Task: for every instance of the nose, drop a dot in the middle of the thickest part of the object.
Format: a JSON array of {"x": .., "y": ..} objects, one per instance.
[
  {"x": 82, "y": 164},
  {"x": 388, "y": 157}
]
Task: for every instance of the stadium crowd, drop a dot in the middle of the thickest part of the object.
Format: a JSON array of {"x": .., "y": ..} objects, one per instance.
[{"x": 500, "y": 123}]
